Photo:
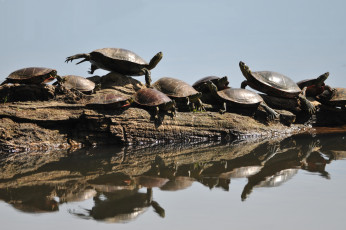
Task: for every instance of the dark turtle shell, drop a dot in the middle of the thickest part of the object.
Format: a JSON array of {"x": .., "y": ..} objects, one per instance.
[
  {"x": 271, "y": 83},
  {"x": 77, "y": 82},
  {"x": 150, "y": 97},
  {"x": 221, "y": 83},
  {"x": 240, "y": 96},
  {"x": 175, "y": 88},
  {"x": 31, "y": 75}
]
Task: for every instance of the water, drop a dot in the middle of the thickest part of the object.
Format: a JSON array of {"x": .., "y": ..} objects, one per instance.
[{"x": 284, "y": 183}]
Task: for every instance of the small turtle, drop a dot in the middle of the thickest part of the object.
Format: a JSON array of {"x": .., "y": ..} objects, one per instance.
[
  {"x": 275, "y": 84},
  {"x": 180, "y": 91},
  {"x": 149, "y": 97},
  {"x": 316, "y": 86},
  {"x": 108, "y": 99},
  {"x": 241, "y": 98},
  {"x": 201, "y": 86},
  {"x": 335, "y": 98},
  {"x": 31, "y": 75},
  {"x": 76, "y": 82},
  {"x": 119, "y": 60}
]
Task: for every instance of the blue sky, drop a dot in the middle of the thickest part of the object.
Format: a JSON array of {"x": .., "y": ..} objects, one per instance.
[{"x": 301, "y": 39}]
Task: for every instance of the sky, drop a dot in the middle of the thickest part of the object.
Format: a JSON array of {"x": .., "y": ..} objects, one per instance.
[{"x": 198, "y": 38}]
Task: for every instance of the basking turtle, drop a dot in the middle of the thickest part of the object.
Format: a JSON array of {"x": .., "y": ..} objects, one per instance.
[
  {"x": 274, "y": 84},
  {"x": 119, "y": 60},
  {"x": 180, "y": 91},
  {"x": 202, "y": 86},
  {"x": 335, "y": 98},
  {"x": 220, "y": 83},
  {"x": 149, "y": 97},
  {"x": 314, "y": 87},
  {"x": 241, "y": 98},
  {"x": 76, "y": 82},
  {"x": 108, "y": 99},
  {"x": 31, "y": 75}
]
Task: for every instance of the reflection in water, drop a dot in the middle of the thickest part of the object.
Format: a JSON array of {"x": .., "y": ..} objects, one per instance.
[{"x": 120, "y": 182}]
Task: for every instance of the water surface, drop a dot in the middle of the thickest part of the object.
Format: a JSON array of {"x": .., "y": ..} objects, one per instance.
[{"x": 270, "y": 183}]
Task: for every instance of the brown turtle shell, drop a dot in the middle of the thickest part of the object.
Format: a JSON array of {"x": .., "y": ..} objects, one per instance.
[
  {"x": 32, "y": 75},
  {"x": 150, "y": 97},
  {"x": 77, "y": 82},
  {"x": 175, "y": 88},
  {"x": 107, "y": 98}
]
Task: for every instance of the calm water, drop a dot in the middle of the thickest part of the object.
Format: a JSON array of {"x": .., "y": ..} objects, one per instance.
[{"x": 294, "y": 182}]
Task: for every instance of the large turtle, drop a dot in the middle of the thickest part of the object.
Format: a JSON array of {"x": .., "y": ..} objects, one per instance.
[
  {"x": 119, "y": 60},
  {"x": 274, "y": 84},
  {"x": 153, "y": 98},
  {"x": 335, "y": 98},
  {"x": 76, "y": 82},
  {"x": 108, "y": 99},
  {"x": 180, "y": 91},
  {"x": 316, "y": 86},
  {"x": 241, "y": 98},
  {"x": 31, "y": 75}
]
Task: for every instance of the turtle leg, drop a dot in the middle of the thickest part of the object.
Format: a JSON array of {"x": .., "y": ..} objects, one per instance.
[
  {"x": 306, "y": 104},
  {"x": 147, "y": 77},
  {"x": 200, "y": 106},
  {"x": 92, "y": 69},
  {"x": 272, "y": 115},
  {"x": 78, "y": 56},
  {"x": 224, "y": 108},
  {"x": 244, "y": 84}
]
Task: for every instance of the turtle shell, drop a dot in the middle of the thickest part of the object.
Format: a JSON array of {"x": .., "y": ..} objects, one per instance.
[
  {"x": 32, "y": 75},
  {"x": 77, "y": 82},
  {"x": 275, "y": 84},
  {"x": 175, "y": 88},
  {"x": 240, "y": 96},
  {"x": 150, "y": 97},
  {"x": 199, "y": 85}
]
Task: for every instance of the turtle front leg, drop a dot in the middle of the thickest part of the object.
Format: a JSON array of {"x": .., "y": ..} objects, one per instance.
[
  {"x": 305, "y": 103},
  {"x": 224, "y": 108},
  {"x": 272, "y": 115},
  {"x": 92, "y": 69},
  {"x": 78, "y": 56},
  {"x": 244, "y": 84},
  {"x": 200, "y": 106}
]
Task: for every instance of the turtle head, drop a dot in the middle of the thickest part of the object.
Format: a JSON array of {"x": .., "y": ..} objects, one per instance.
[
  {"x": 155, "y": 60},
  {"x": 322, "y": 78},
  {"x": 244, "y": 68},
  {"x": 223, "y": 83}
]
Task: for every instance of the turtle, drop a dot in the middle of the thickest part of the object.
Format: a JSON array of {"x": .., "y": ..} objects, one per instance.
[
  {"x": 275, "y": 84},
  {"x": 316, "y": 86},
  {"x": 241, "y": 98},
  {"x": 201, "y": 86},
  {"x": 153, "y": 98},
  {"x": 180, "y": 91},
  {"x": 31, "y": 75},
  {"x": 119, "y": 60},
  {"x": 221, "y": 83},
  {"x": 335, "y": 98},
  {"x": 76, "y": 82},
  {"x": 109, "y": 99}
]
